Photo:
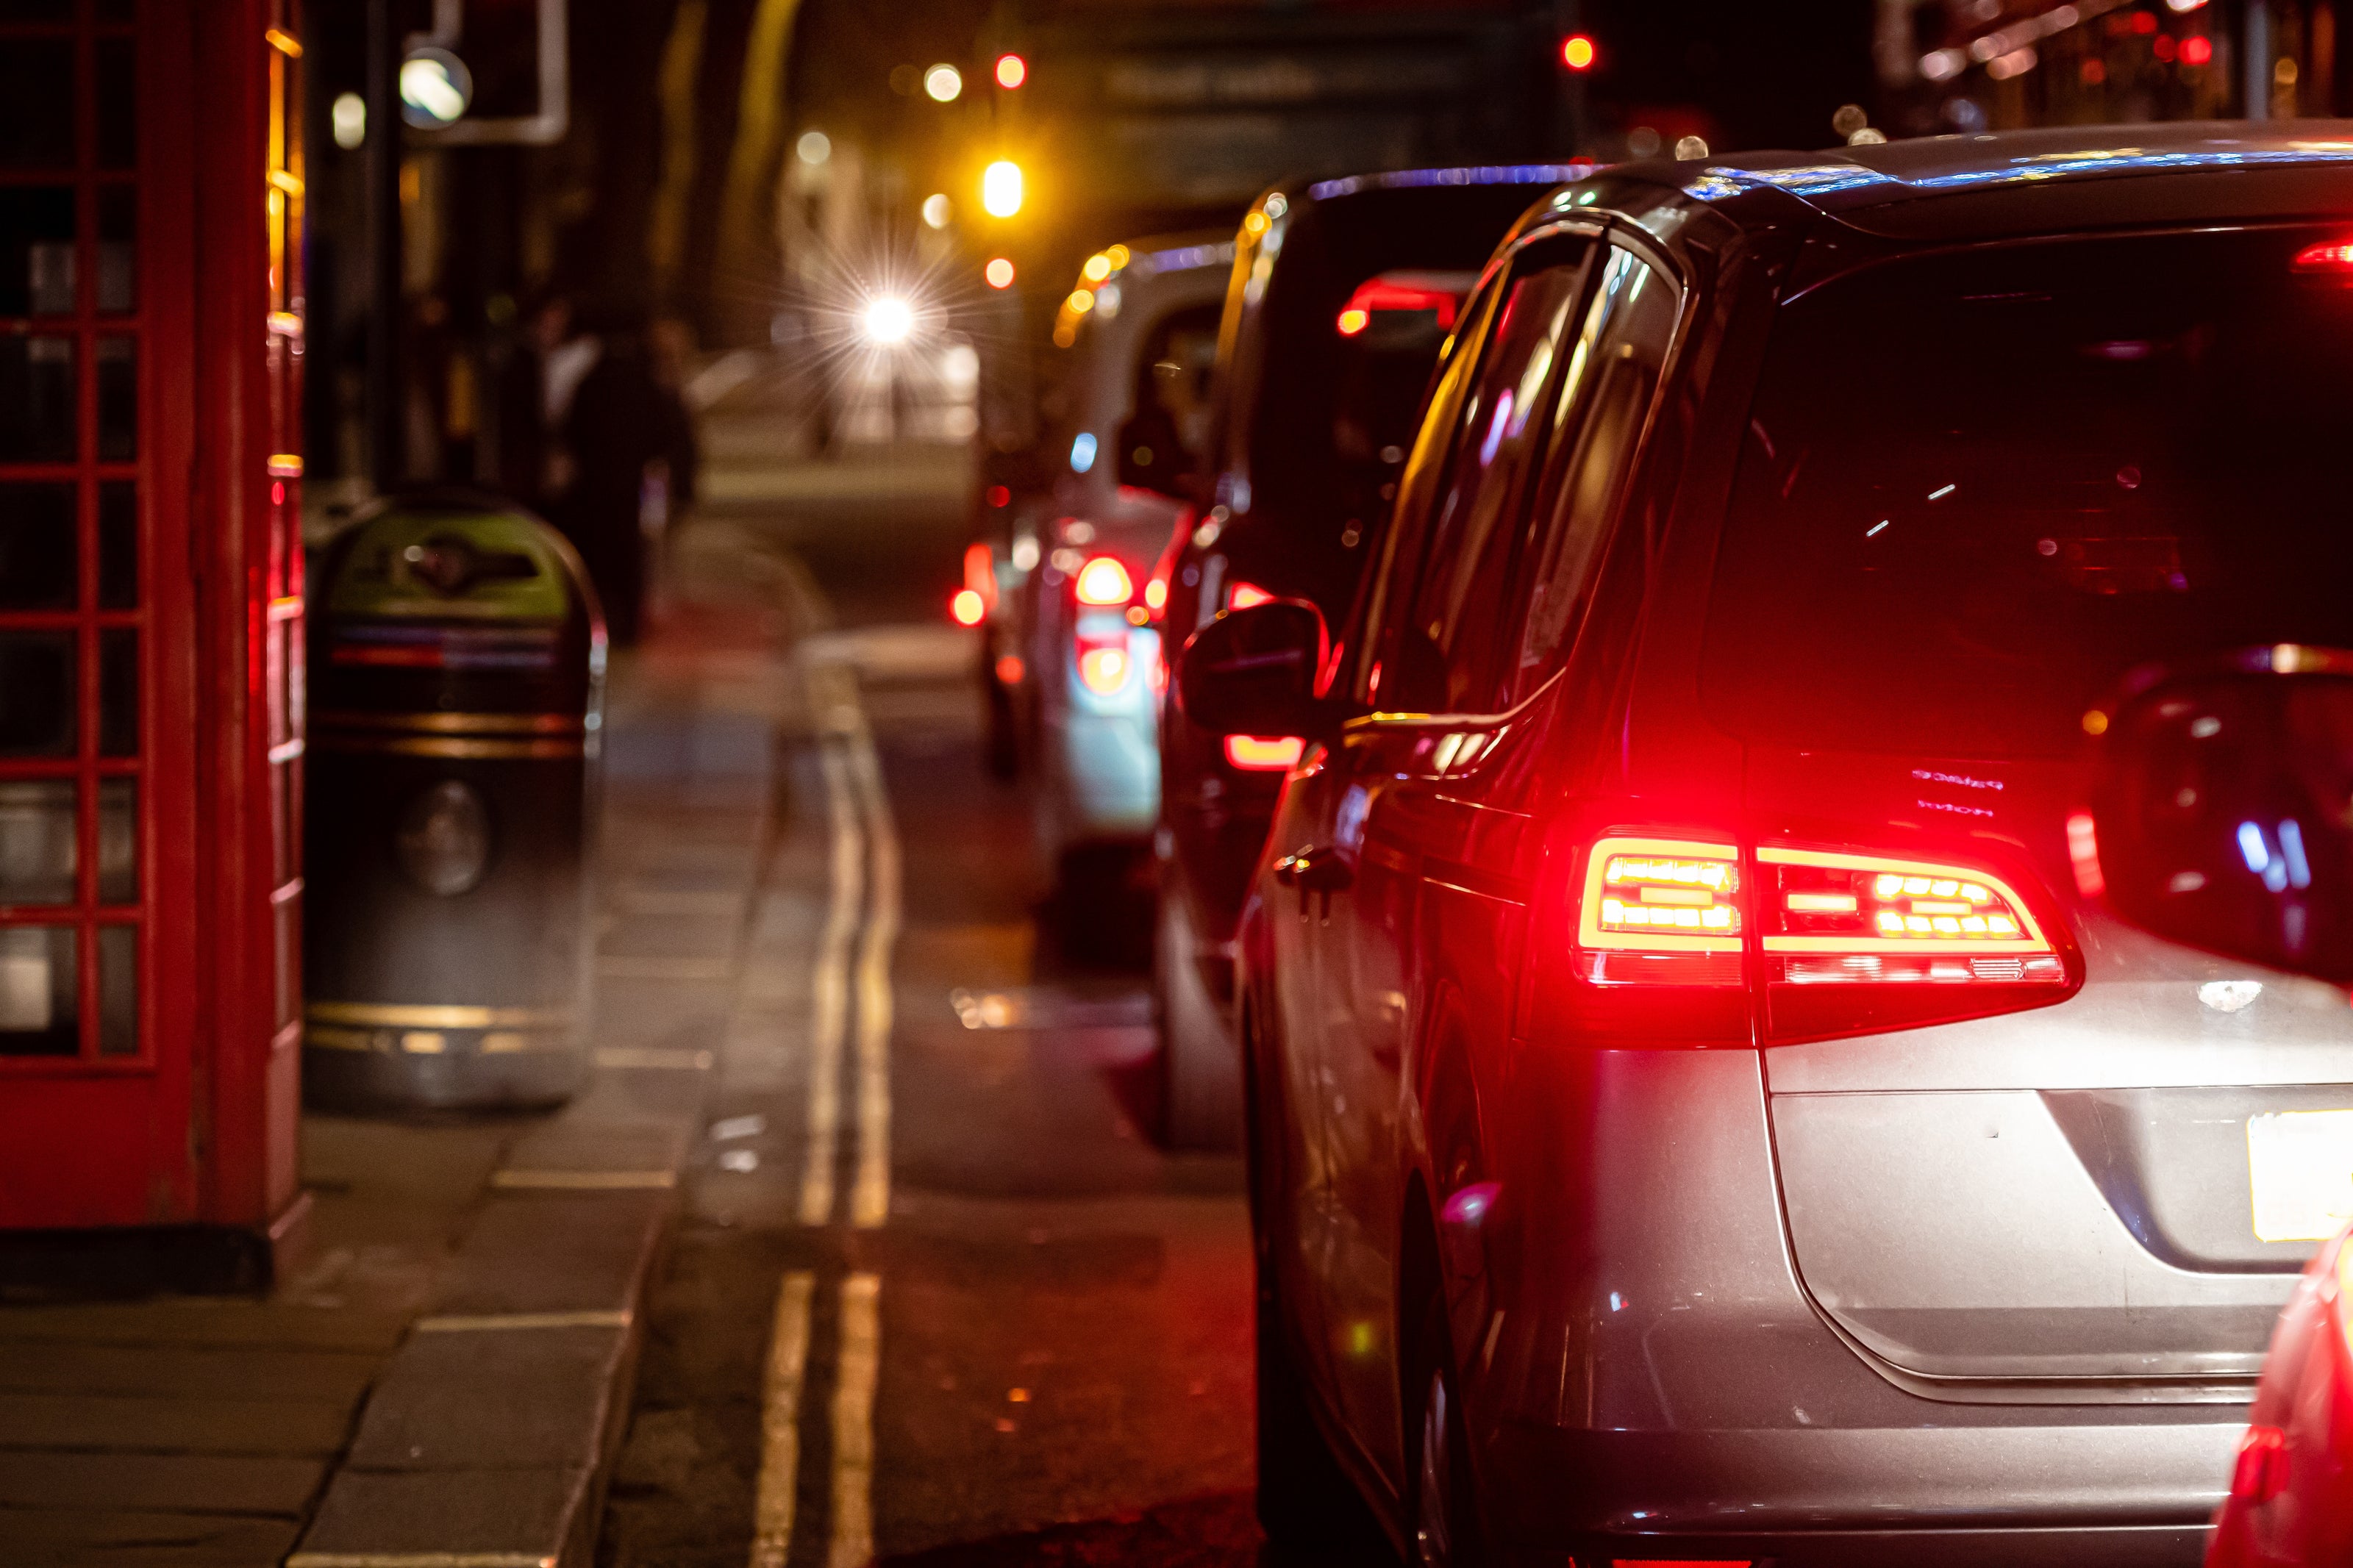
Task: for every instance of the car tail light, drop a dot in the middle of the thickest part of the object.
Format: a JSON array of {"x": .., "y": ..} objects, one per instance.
[
  {"x": 1794, "y": 942},
  {"x": 1104, "y": 581},
  {"x": 1661, "y": 911},
  {"x": 1104, "y": 662},
  {"x": 2261, "y": 1470},
  {"x": 2330, "y": 258},
  {"x": 967, "y": 608},
  {"x": 1264, "y": 754},
  {"x": 1243, "y": 595}
]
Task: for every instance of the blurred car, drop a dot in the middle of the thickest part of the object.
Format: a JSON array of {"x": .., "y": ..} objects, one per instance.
[
  {"x": 1700, "y": 1105},
  {"x": 1072, "y": 647},
  {"x": 1343, "y": 293},
  {"x": 2217, "y": 819}
]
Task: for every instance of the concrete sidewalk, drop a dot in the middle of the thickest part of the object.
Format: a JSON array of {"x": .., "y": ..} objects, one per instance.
[{"x": 447, "y": 1381}]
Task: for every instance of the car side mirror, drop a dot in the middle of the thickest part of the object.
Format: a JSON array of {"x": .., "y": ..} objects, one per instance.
[
  {"x": 2223, "y": 809},
  {"x": 1254, "y": 671}
]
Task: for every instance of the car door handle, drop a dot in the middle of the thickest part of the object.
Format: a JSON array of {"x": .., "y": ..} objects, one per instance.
[{"x": 1318, "y": 871}]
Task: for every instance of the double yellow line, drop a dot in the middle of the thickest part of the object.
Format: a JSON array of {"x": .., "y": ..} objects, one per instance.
[{"x": 863, "y": 913}]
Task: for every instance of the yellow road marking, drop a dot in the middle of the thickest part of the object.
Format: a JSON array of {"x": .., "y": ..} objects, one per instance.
[
  {"x": 859, "y": 1365},
  {"x": 780, "y": 1431}
]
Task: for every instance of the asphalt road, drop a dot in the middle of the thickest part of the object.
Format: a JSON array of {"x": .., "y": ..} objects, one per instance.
[{"x": 937, "y": 1299}]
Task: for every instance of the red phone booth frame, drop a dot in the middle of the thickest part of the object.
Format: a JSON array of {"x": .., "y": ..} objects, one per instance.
[{"x": 164, "y": 1094}]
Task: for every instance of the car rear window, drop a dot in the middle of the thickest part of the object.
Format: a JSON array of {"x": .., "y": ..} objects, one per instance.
[{"x": 1978, "y": 486}]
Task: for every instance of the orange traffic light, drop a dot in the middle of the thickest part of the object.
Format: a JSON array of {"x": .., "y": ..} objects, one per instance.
[{"x": 1576, "y": 52}]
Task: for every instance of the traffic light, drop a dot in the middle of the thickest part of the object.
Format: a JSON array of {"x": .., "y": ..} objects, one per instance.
[{"x": 1578, "y": 53}]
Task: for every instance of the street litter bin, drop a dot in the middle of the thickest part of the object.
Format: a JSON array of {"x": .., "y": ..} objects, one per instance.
[{"x": 457, "y": 671}]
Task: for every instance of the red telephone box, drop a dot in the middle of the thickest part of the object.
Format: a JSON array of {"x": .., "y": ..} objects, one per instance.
[{"x": 150, "y": 648}]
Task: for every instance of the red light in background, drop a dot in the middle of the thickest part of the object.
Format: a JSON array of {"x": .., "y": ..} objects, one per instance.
[
  {"x": 1354, "y": 320},
  {"x": 1576, "y": 52},
  {"x": 1264, "y": 754},
  {"x": 1244, "y": 595},
  {"x": 999, "y": 496},
  {"x": 1012, "y": 70},
  {"x": 999, "y": 273},
  {"x": 1009, "y": 670},
  {"x": 2162, "y": 48},
  {"x": 2198, "y": 50},
  {"x": 967, "y": 607},
  {"x": 2332, "y": 257},
  {"x": 278, "y": 492},
  {"x": 1104, "y": 581}
]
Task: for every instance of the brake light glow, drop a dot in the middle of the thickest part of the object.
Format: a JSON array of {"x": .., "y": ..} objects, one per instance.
[
  {"x": 1661, "y": 911},
  {"x": 1104, "y": 581},
  {"x": 1156, "y": 593},
  {"x": 2330, "y": 258},
  {"x": 1104, "y": 669},
  {"x": 1842, "y": 918},
  {"x": 1243, "y": 595},
  {"x": 1264, "y": 754},
  {"x": 967, "y": 608},
  {"x": 1355, "y": 320}
]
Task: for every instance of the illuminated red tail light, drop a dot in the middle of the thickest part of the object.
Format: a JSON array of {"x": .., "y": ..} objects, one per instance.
[
  {"x": 2332, "y": 258},
  {"x": 1105, "y": 581},
  {"x": 1243, "y": 595},
  {"x": 1104, "y": 661},
  {"x": 1831, "y": 942},
  {"x": 1264, "y": 754}
]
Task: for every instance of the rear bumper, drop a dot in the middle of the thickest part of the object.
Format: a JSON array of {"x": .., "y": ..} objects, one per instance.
[
  {"x": 2074, "y": 1494},
  {"x": 1645, "y": 1378}
]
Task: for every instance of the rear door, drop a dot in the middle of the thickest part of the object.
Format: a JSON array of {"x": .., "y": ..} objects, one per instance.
[{"x": 1976, "y": 489}]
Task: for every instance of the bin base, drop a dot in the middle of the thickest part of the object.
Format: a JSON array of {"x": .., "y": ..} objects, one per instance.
[{"x": 458, "y": 1079}]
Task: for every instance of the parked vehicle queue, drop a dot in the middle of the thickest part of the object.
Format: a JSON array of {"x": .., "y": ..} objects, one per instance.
[{"x": 1699, "y": 1106}]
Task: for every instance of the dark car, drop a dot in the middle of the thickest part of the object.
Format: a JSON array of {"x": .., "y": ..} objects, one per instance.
[
  {"x": 1700, "y": 1108},
  {"x": 1343, "y": 293}
]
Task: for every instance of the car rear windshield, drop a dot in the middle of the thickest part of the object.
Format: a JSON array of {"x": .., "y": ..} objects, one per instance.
[{"x": 1978, "y": 486}]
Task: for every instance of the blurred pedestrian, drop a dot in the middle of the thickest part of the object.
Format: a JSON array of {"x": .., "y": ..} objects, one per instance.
[
  {"x": 536, "y": 387},
  {"x": 623, "y": 420}
]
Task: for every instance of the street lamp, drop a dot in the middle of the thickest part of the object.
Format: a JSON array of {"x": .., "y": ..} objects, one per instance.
[{"x": 1001, "y": 188}]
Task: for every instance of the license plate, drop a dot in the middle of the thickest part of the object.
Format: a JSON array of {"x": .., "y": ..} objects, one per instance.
[{"x": 2302, "y": 1165}]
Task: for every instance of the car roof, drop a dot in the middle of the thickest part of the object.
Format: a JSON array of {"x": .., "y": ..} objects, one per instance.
[{"x": 1998, "y": 184}]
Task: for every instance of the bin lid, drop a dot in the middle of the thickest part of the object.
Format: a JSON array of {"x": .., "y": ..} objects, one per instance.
[{"x": 445, "y": 563}]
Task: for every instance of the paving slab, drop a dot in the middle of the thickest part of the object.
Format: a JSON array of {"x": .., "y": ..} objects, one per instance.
[
  {"x": 151, "y": 1423},
  {"x": 519, "y": 1517},
  {"x": 160, "y": 1483},
  {"x": 60, "y": 1538},
  {"x": 556, "y": 1253}
]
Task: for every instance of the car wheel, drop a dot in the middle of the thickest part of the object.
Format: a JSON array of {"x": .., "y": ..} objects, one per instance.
[
  {"x": 1305, "y": 1501},
  {"x": 1201, "y": 1070},
  {"x": 1445, "y": 1521}
]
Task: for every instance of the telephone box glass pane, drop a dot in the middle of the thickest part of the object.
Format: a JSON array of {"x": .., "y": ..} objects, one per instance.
[
  {"x": 37, "y": 104},
  {"x": 37, "y": 399},
  {"x": 118, "y": 545},
  {"x": 37, "y": 694},
  {"x": 118, "y": 399},
  {"x": 37, "y": 547},
  {"x": 37, "y": 841},
  {"x": 39, "y": 1007},
  {"x": 118, "y": 105},
  {"x": 118, "y": 692},
  {"x": 118, "y": 841},
  {"x": 118, "y": 991},
  {"x": 118, "y": 249},
  {"x": 36, "y": 250}
]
